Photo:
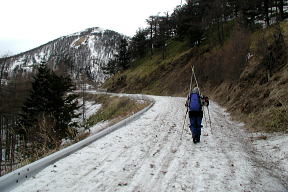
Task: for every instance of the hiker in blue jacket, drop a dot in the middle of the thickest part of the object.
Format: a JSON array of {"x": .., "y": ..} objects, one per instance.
[{"x": 195, "y": 102}]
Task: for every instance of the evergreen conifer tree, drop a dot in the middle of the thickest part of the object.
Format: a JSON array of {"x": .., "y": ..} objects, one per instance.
[
  {"x": 123, "y": 55},
  {"x": 48, "y": 111}
]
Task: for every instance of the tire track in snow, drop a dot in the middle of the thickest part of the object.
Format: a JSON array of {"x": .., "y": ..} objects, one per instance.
[
  {"x": 161, "y": 161},
  {"x": 155, "y": 155}
]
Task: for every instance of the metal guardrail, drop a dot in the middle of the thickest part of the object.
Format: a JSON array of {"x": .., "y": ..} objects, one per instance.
[{"x": 15, "y": 178}]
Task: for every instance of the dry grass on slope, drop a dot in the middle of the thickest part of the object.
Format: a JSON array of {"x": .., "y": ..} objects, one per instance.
[
  {"x": 114, "y": 108},
  {"x": 260, "y": 95}
]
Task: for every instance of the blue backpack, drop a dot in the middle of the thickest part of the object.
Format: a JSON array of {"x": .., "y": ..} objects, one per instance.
[{"x": 195, "y": 104}]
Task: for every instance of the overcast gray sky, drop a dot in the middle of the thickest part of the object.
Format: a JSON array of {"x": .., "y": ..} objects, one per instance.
[{"x": 26, "y": 24}]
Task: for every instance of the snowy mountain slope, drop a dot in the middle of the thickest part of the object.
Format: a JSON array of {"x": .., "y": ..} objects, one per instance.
[
  {"x": 148, "y": 155},
  {"x": 88, "y": 50}
]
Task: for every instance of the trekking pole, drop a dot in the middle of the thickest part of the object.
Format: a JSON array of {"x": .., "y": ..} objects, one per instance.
[
  {"x": 184, "y": 124},
  {"x": 204, "y": 116},
  {"x": 192, "y": 68},
  {"x": 209, "y": 119}
]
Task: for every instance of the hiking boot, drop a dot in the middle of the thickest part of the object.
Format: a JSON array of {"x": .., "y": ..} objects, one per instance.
[
  {"x": 194, "y": 140},
  {"x": 198, "y": 139}
]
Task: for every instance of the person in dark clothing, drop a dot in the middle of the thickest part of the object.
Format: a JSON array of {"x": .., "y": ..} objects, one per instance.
[{"x": 195, "y": 103}]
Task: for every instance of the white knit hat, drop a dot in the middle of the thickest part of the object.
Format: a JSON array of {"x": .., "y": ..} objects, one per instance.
[{"x": 195, "y": 90}]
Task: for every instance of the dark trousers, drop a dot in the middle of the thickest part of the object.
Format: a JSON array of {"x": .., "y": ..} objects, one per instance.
[{"x": 195, "y": 123}]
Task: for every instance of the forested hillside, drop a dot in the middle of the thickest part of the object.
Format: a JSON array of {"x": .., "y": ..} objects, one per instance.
[{"x": 238, "y": 49}]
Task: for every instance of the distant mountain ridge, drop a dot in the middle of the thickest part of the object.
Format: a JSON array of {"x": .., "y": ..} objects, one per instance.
[{"x": 87, "y": 50}]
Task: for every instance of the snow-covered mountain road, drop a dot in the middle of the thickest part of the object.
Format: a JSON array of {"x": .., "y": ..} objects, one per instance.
[{"x": 148, "y": 155}]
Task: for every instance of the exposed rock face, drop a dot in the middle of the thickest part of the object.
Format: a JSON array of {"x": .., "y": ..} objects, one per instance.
[{"x": 87, "y": 50}]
